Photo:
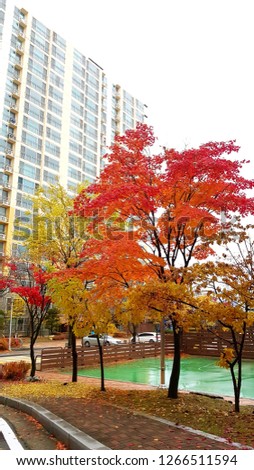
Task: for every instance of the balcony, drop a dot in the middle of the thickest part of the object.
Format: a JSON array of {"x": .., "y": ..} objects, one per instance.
[
  {"x": 11, "y": 137},
  {"x": 16, "y": 78},
  {"x": 19, "y": 49},
  {"x": 4, "y": 219},
  {"x": 22, "y": 21},
  {"x": 12, "y": 122},
  {"x": 13, "y": 108},
  {"x": 15, "y": 93},
  {"x": 18, "y": 65},
  {"x": 5, "y": 185},
  {"x": 4, "y": 202},
  {"x": 9, "y": 152},
  {"x": 8, "y": 169},
  {"x": 21, "y": 36}
]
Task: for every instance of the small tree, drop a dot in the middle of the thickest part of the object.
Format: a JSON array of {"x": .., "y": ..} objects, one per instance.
[
  {"x": 29, "y": 283},
  {"x": 228, "y": 311},
  {"x": 69, "y": 294}
]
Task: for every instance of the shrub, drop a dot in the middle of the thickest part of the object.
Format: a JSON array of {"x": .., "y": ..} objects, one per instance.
[
  {"x": 16, "y": 343},
  {"x": 15, "y": 370},
  {"x": 59, "y": 336},
  {"x": 4, "y": 345}
]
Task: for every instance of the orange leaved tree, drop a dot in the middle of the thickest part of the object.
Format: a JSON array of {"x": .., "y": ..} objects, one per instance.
[{"x": 170, "y": 203}]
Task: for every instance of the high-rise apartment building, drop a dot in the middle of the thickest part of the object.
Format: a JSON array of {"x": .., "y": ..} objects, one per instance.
[{"x": 58, "y": 114}]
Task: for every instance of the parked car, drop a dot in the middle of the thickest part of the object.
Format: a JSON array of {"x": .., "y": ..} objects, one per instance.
[
  {"x": 105, "y": 340},
  {"x": 147, "y": 337}
]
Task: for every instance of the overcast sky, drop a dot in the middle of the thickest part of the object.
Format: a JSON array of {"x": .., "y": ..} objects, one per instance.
[{"x": 190, "y": 61}]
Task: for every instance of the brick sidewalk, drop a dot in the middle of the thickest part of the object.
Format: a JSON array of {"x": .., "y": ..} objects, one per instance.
[{"x": 121, "y": 429}]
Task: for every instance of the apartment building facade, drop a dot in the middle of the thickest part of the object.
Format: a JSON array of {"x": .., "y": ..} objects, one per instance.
[{"x": 58, "y": 114}]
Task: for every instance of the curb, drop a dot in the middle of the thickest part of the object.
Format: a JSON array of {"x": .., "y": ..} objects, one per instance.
[{"x": 71, "y": 436}]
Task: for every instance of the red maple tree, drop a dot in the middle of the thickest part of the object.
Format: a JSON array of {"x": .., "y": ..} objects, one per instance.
[
  {"x": 29, "y": 283},
  {"x": 170, "y": 203}
]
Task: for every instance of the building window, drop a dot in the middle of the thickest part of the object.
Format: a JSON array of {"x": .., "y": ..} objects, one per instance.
[
  {"x": 75, "y": 134},
  {"x": 30, "y": 155},
  {"x": 51, "y": 163},
  {"x": 38, "y": 55},
  {"x": 56, "y": 94},
  {"x": 49, "y": 177},
  {"x": 36, "y": 83},
  {"x": 40, "y": 42},
  {"x": 90, "y": 156},
  {"x": 56, "y": 80},
  {"x": 91, "y": 106},
  {"x": 40, "y": 28},
  {"x": 35, "y": 97},
  {"x": 28, "y": 170},
  {"x": 31, "y": 140},
  {"x": 75, "y": 174},
  {"x": 77, "y": 95},
  {"x": 79, "y": 57},
  {"x": 77, "y": 108},
  {"x": 75, "y": 147},
  {"x": 59, "y": 40},
  {"x": 33, "y": 111},
  {"x": 37, "y": 69},
  {"x": 53, "y": 135},
  {"x": 26, "y": 186},
  {"x": 52, "y": 148},
  {"x": 54, "y": 121},
  {"x": 55, "y": 107},
  {"x": 58, "y": 53},
  {"x": 74, "y": 160},
  {"x": 58, "y": 67},
  {"x": 32, "y": 126},
  {"x": 23, "y": 201},
  {"x": 88, "y": 168},
  {"x": 93, "y": 68},
  {"x": 77, "y": 81}
]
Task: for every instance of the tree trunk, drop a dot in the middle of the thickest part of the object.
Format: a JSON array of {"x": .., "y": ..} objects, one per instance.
[
  {"x": 103, "y": 389},
  {"x": 33, "y": 360},
  {"x": 175, "y": 373},
  {"x": 237, "y": 382},
  {"x": 74, "y": 356}
]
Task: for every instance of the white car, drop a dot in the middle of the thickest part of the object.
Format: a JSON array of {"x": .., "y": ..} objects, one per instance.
[
  {"x": 147, "y": 337},
  {"x": 105, "y": 340}
]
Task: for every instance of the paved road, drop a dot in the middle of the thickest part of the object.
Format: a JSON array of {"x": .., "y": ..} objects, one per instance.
[{"x": 30, "y": 434}]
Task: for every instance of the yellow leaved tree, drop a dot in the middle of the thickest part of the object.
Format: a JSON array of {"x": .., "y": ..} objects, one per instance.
[
  {"x": 55, "y": 238},
  {"x": 228, "y": 310}
]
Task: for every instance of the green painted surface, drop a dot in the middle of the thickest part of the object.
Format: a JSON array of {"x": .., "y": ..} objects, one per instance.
[{"x": 198, "y": 374}]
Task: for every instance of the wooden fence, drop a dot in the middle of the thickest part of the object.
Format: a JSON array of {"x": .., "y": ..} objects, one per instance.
[
  {"x": 207, "y": 344},
  {"x": 194, "y": 343},
  {"x": 52, "y": 358}
]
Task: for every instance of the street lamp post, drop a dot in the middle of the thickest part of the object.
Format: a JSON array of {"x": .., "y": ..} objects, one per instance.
[
  {"x": 10, "y": 330},
  {"x": 162, "y": 355}
]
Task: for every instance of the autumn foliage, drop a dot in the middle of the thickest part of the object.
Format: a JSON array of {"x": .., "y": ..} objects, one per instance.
[{"x": 156, "y": 213}]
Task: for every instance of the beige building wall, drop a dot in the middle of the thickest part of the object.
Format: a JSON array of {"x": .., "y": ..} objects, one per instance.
[{"x": 58, "y": 115}]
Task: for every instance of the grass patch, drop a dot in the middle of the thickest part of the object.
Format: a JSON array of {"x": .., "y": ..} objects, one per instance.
[{"x": 212, "y": 415}]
